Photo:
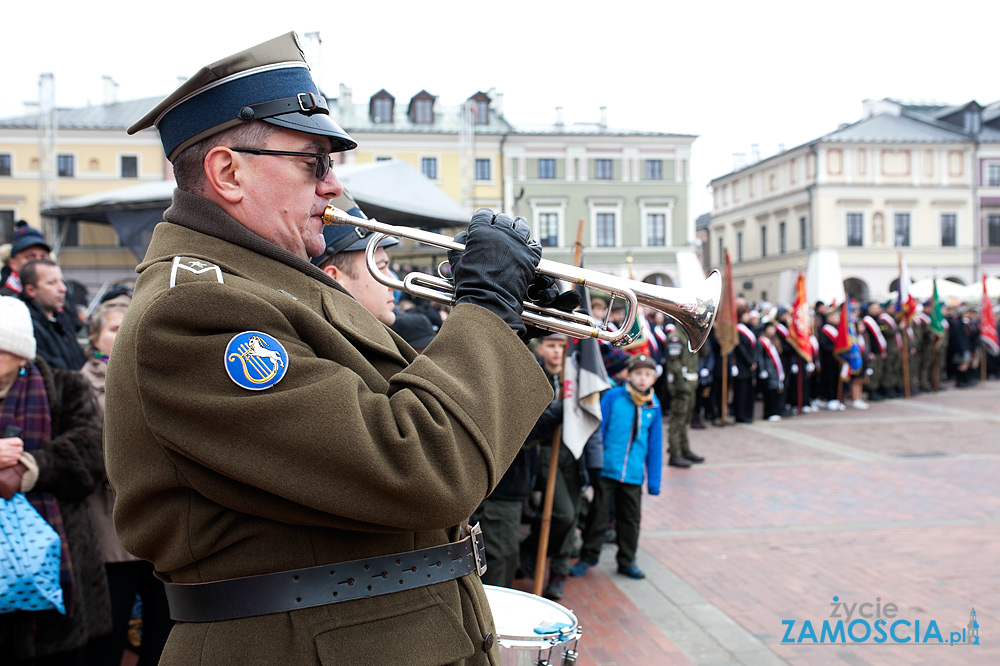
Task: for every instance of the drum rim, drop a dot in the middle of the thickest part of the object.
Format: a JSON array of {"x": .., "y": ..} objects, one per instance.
[{"x": 533, "y": 639}]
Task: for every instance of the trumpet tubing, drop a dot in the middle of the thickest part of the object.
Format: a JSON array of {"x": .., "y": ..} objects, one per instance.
[{"x": 693, "y": 309}]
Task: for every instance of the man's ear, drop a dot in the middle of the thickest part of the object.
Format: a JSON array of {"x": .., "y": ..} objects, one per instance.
[
  {"x": 223, "y": 173},
  {"x": 29, "y": 290},
  {"x": 332, "y": 271}
]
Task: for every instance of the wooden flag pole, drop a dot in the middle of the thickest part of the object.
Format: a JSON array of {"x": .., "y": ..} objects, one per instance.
[
  {"x": 550, "y": 481},
  {"x": 724, "y": 398}
]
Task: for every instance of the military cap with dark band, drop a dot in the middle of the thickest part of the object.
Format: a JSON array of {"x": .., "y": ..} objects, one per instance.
[{"x": 269, "y": 82}]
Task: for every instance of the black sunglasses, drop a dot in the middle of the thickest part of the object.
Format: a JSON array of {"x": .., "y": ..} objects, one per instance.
[{"x": 324, "y": 162}]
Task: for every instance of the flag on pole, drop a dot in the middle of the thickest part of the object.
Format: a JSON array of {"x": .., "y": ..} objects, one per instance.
[
  {"x": 905, "y": 303},
  {"x": 937, "y": 315},
  {"x": 584, "y": 381},
  {"x": 725, "y": 322},
  {"x": 801, "y": 322},
  {"x": 988, "y": 324},
  {"x": 845, "y": 347}
]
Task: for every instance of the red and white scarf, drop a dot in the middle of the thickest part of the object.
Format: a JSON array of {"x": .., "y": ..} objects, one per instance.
[
  {"x": 773, "y": 353},
  {"x": 745, "y": 330},
  {"x": 876, "y": 333}
]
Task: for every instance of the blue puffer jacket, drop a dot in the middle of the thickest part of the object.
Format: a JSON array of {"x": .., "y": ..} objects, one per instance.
[{"x": 629, "y": 456}]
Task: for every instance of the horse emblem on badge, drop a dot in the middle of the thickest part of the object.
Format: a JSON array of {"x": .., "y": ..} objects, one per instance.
[{"x": 255, "y": 360}]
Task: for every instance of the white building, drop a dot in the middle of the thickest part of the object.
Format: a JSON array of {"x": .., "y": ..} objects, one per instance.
[{"x": 920, "y": 180}]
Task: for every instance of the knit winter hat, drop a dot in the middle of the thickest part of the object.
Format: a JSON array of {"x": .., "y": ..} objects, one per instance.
[{"x": 16, "y": 333}]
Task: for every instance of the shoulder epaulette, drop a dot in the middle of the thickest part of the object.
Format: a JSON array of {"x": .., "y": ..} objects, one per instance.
[{"x": 187, "y": 269}]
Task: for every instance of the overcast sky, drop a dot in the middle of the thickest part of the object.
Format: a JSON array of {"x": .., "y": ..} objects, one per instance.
[{"x": 733, "y": 73}]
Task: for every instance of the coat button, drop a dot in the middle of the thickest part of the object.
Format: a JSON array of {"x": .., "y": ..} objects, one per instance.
[{"x": 488, "y": 643}]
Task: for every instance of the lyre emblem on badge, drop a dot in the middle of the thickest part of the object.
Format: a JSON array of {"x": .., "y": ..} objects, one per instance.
[{"x": 255, "y": 360}]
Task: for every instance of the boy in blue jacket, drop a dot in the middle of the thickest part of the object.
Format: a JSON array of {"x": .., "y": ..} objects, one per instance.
[{"x": 632, "y": 427}]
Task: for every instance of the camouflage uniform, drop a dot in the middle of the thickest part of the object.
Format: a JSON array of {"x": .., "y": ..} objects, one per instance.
[{"x": 682, "y": 381}]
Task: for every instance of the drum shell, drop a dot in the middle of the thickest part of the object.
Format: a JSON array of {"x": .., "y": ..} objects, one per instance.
[{"x": 515, "y": 613}]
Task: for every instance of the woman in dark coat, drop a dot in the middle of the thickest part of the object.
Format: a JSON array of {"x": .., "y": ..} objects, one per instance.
[{"x": 58, "y": 457}]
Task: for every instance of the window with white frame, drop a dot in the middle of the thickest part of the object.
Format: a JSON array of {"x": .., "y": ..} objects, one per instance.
[
  {"x": 64, "y": 166},
  {"x": 5, "y": 164},
  {"x": 902, "y": 229},
  {"x": 656, "y": 229},
  {"x": 382, "y": 109},
  {"x": 605, "y": 230},
  {"x": 993, "y": 230},
  {"x": 855, "y": 229},
  {"x": 482, "y": 168},
  {"x": 763, "y": 240},
  {"x": 739, "y": 246},
  {"x": 603, "y": 169},
  {"x": 949, "y": 229},
  {"x": 423, "y": 111},
  {"x": 130, "y": 166},
  {"x": 548, "y": 229},
  {"x": 993, "y": 175},
  {"x": 654, "y": 169},
  {"x": 546, "y": 168},
  {"x": 722, "y": 250},
  {"x": 429, "y": 167},
  {"x": 782, "y": 237},
  {"x": 803, "y": 240}
]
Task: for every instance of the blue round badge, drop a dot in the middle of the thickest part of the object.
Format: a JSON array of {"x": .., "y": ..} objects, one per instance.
[{"x": 255, "y": 360}]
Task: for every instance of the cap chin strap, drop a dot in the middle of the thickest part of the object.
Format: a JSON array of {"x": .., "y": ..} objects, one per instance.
[{"x": 306, "y": 103}]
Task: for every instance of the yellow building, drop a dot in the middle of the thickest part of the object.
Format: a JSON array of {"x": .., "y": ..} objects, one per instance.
[{"x": 92, "y": 153}]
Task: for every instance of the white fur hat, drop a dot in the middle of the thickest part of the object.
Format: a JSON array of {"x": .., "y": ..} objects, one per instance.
[{"x": 17, "y": 335}]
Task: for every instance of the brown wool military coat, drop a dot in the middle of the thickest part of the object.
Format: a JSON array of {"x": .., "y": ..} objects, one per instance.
[{"x": 363, "y": 448}]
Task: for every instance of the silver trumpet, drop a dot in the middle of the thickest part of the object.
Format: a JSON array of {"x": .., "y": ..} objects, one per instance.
[{"x": 694, "y": 309}]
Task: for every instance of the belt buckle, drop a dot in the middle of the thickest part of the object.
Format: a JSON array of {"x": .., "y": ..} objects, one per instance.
[{"x": 478, "y": 548}]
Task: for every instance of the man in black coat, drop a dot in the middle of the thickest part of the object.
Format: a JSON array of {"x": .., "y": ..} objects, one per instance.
[{"x": 55, "y": 332}]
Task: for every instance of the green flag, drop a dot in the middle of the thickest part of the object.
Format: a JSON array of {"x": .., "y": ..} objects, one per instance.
[{"x": 937, "y": 317}]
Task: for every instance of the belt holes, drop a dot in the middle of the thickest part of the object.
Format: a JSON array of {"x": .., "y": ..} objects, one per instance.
[
  {"x": 397, "y": 561},
  {"x": 413, "y": 569},
  {"x": 295, "y": 578},
  {"x": 369, "y": 588},
  {"x": 452, "y": 570},
  {"x": 366, "y": 567},
  {"x": 332, "y": 572},
  {"x": 335, "y": 593},
  {"x": 425, "y": 557},
  {"x": 400, "y": 581},
  {"x": 428, "y": 575},
  {"x": 298, "y": 600},
  {"x": 384, "y": 574},
  {"x": 438, "y": 563}
]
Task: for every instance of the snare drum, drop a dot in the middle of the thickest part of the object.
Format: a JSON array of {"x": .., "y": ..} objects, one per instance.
[{"x": 532, "y": 631}]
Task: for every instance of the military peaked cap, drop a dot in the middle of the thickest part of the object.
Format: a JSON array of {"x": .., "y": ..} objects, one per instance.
[{"x": 269, "y": 82}]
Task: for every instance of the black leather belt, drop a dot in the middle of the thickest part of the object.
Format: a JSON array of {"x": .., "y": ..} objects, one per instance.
[{"x": 285, "y": 591}]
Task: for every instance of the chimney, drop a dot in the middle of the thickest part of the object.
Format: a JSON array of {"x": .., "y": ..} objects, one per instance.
[
  {"x": 739, "y": 161},
  {"x": 559, "y": 116},
  {"x": 110, "y": 91},
  {"x": 754, "y": 153},
  {"x": 781, "y": 148},
  {"x": 497, "y": 101},
  {"x": 345, "y": 101},
  {"x": 604, "y": 116}
]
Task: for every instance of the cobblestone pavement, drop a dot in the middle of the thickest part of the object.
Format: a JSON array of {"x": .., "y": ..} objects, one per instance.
[{"x": 898, "y": 505}]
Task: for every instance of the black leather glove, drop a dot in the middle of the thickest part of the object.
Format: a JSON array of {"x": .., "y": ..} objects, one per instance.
[
  {"x": 497, "y": 265},
  {"x": 544, "y": 292}
]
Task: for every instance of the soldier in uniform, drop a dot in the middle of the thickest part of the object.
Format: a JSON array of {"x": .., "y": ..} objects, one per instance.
[
  {"x": 296, "y": 474},
  {"x": 875, "y": 344},
  {"x": 682, "y": 382},
  {"x": 892, "y": 369}
]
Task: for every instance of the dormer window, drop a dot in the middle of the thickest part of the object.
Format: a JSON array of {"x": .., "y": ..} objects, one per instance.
[
  {"x": 381, "y": 107},
  {"x": 422, "y": 108},
  {"x": 480, "y": 104},
  {"x": 972, "y": 121}
]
